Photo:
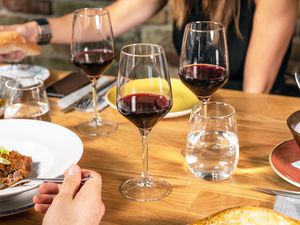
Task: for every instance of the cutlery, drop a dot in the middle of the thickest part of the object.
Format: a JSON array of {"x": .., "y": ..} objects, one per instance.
[
  {"x": 53, "y": 180},
  {"x": 292, "y": 194},
  {"x": 75, "y": 96},
  {"x": 297, "y": 78},
  {"x": 102, "y": 91},
  {"x": 86, "y": 101}
]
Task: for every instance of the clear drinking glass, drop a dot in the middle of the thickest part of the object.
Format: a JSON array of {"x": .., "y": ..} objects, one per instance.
[
  {"x": 92, "y": 50},
  {"x": 212, "y": 148},
  {"x": 26, "y": 98},
  {"x": 144, "y": 96},
  {"x": 204, "y": 58}
]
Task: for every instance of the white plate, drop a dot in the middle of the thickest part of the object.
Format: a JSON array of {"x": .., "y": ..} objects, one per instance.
[
  {"x": 17, "y": 204},
  {"x": 53, "y": 148},
  {"x": 24, "y": 70}
]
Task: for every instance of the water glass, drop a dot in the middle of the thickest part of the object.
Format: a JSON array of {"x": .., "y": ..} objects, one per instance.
[
  {"x": 212, "y": 148},
  {"x": 26, "y": 98}
]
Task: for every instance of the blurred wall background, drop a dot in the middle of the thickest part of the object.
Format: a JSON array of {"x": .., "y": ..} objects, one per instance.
[{"x": 156, "y": 30}]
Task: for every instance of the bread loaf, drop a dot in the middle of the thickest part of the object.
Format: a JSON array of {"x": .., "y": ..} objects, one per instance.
[
  {"x": 11, "y": 41},
  {"x": 247, "y": 215}
]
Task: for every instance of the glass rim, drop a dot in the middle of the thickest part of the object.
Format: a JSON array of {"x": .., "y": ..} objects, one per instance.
[
  {"x": 220, "y": 26},
  {"x": 159, "y": 47},
  {"x": 229, "y": 114},
  {"x": 102, "y": 10},
  {"x": 38, "y": 84}
]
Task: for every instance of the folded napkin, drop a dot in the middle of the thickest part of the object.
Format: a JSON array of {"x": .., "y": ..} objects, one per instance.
[
  {"x": 78, "y": 94},
  {"x": 288, "y": 206}
]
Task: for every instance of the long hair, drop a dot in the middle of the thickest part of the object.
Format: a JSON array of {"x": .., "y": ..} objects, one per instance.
[{"x": 223, "y": 11}]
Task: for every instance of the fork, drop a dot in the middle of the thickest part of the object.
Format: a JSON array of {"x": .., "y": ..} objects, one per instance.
[{"x": 53, "y": 180}]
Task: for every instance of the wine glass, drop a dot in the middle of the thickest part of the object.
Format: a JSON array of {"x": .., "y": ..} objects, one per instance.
[
  {"x": 204, "y": 58},
  {"x": 144, "y": 96},
  {"x": 92, "y": 50}
]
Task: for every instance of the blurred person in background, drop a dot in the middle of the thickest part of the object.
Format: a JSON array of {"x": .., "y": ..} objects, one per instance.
[{"x": 259, "y": 34}]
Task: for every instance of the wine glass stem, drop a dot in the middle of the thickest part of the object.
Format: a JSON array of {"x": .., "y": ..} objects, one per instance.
[
  {"x": 145, "y": 171},
  {"x": 96, "y": 116},
  {"x": 204, "y": 103}
]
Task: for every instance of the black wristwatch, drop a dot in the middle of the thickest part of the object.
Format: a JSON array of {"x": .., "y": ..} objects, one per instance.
[{"x": 44, "y": 34}]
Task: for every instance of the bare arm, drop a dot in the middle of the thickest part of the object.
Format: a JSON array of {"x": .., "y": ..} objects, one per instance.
[
  {"x": 124, "y": 14},
  {"x": 273, "y": 26}
]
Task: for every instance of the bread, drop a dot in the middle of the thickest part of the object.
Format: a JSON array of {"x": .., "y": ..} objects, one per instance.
[
  {"x": 11, "y": 41},
  {"x": 247, "y": 215}
]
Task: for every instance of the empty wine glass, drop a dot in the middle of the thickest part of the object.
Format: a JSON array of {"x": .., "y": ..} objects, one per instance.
[
  {"x": 144, "y": 96},
  {"x": 204, "y": 58},
  {"x": 92, "y": 50}
]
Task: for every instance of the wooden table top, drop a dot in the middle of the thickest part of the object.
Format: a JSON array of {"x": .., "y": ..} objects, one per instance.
[{"x": 261, "y": 126}]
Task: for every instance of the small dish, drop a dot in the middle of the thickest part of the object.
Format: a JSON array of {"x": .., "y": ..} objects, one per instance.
[
  {"x": 284, "y": 159},
  {"x": 24, "y": 70},
  {"x": 183, "y": 98}
]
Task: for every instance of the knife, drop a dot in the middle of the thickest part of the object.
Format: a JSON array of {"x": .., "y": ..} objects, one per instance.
[{"x": 292, "y": 194}]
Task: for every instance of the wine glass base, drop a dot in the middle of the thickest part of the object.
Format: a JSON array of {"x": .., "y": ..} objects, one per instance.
[
  {"x": 93, "y": 128},
  {"x": 139, "y": 190}
]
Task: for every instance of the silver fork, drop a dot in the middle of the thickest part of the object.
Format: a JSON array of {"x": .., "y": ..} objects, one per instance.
[{"x": 53, "y": 180}]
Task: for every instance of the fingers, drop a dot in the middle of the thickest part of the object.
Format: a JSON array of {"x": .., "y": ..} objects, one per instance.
[
  {"x": 72, "y": 182},
  {"x": 49, "y": 188},
  {"x": 15, "y": 56},
  {"x": 43, "y": 199},
  {"x": 41, "y": 208},
  {"x": 93, "y": 185}
]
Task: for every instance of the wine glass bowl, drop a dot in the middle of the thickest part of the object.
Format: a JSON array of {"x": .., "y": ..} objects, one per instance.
[
  {"x": 92, "y": 50},
  {"x": 144, "y": 96},
  {"x": 204, "y": 58}
]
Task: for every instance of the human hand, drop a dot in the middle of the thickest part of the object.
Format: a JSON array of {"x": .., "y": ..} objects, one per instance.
[
  {"x": 71, "y": 203},
  {"x": 28, "y": 31}
]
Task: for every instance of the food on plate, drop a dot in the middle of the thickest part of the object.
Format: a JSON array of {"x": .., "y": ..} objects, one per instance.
[
  {"x": 13, "y": 167},
  {"x": 1, "y": 102},
  {"x": 13, "y": 41},
  {"x": 247, "y": 215}
]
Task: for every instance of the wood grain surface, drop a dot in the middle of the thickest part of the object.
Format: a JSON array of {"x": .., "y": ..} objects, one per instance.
[{"x": 261, "y": 126}]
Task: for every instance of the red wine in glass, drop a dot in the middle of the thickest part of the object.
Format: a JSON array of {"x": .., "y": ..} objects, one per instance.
[
  {"x": 94, "y": 62},
  {"x": 144, "y": 110},
  {"x": 203, "y": 79}
]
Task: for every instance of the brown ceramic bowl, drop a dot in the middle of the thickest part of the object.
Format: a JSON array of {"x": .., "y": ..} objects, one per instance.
[{"x": 293, "y": 122}]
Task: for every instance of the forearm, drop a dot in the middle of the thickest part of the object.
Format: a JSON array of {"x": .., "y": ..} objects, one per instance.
[
  {"x": 137, "y": 12},
  {"x": 272, "y": 30}
]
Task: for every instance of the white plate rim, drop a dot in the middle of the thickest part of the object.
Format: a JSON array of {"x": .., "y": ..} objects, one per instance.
[
  {"x": 277, "y": 171},
  {"x": 45, "y": 75},
  {"x": 71, "y": 134}
]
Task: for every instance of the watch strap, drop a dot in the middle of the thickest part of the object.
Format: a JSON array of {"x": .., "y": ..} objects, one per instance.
[{"x": 44, "y": 34}]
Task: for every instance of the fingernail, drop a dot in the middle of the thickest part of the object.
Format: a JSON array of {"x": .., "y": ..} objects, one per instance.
[{"x": 74, "y": 169}]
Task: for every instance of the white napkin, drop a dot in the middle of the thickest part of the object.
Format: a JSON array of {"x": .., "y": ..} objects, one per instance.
[
  {"x": 288, "y": 206},
  {"x": 78, "y": 94}
]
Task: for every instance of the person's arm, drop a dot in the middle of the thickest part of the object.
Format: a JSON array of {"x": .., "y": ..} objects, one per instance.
[
  {"x": 71, "y": 203},
  {"x": 273, "y": 26},
  {"x": 124, "y": 15}
]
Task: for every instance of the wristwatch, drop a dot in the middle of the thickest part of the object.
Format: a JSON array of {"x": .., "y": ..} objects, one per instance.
[{"x": 44, "y": 34}]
